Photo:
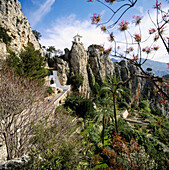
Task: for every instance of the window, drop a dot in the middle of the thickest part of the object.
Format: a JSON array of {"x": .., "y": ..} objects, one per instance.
[{"x": 52, "y": 81}]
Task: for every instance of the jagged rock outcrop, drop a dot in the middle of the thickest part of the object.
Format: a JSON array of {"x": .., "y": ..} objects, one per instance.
[
  {"x": 100, "y": 63},
  {"x": 12, "y": 18},
  {"x": 95, "y": 64},
  {"x": 72, "y": 63}
]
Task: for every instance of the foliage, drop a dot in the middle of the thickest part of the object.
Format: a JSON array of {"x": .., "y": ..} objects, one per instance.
[
  {"x": 124, "y": 105},
  {"x": 49, "y": 90},
  {"x": 4, "y": 37},
  {"x": 123, "y": 155},
  {"x": 94, "y": 134},
  {"x": 104, "y": 115},
  {"x": 14, "y": 62},
  {"x": 76, "y": 81},
  {"x": 33, "y": 64},
  {"x": 83, "y": 107},
  {"x": 37, "y": 34},
  {"x": 114, "y": 88},
  {"x": 155, "y": 110},
  {"x": 144, "y": 105},
  {"x": 51, "y": 61},
  {"x": 30, "y": 64},
  {"x": 54, "y": 147},
  {"x": 144, "y": 114},
  {"x": 160, "y": 129}
]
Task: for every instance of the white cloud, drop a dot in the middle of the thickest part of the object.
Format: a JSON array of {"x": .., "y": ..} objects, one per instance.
[
  {"x": 61, "y": 33},
  {"x": 41, "y": 12},
  {"x": 64, "y": 29}
]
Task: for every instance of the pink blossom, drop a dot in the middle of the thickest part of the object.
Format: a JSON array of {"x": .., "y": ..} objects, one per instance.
[
  {"x": 158, "y": 5},
  {"x": 96, "y": 18},
  {"x": 155, "y": 47},
  {"x": 137, "y": 19},
  {"x": 103, "y": 28},
  {"x": 151, "y": 31},
  {"x": 110, "y": 1},
  {"x": 128, "y": 50},
  {"x": 147, "y": 50},
  {"x": 123, "y": 25},
  {"x": 137, "y": 37}
]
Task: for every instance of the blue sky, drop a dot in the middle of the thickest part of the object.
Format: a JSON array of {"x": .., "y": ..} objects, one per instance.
[{"x": 59, "y": 20}]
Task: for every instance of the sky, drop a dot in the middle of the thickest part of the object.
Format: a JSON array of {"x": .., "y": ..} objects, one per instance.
[{"x": 59, "y": 21}]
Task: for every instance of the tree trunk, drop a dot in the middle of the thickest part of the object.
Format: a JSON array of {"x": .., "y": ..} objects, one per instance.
[
  {"x": 115, "y": 115},
  {"x": 9, "y": 156},
  {"x": 102, "y": 136}
]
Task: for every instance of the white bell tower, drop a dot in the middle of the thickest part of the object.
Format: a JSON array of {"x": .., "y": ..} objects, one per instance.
[{"x": 77, "y": 38}]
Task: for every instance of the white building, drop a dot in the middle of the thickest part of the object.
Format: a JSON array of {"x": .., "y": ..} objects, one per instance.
[{"x": 77, "y": 38}]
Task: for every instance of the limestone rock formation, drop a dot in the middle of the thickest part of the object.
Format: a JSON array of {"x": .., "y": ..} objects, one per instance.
[
  {"x": 72, "y": 63},
  {"x": 100, "y": 63},
  {"x": 95, "y": 65},
  {"x": 12, "y": 18}
]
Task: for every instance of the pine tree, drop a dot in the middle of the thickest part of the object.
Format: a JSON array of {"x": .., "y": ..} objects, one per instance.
[{"x": 33, "y": 64}]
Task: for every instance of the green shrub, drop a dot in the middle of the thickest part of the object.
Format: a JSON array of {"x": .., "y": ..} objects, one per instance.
[
  {"x": 156, "y": 111},
  {"x": 82, "y": 106},
  {"x": 124, "y": 105},
  {"x": 49, "y": 90},
  {"x": 30, "y": 64},
  {"x": 52, "y": 145},
  {"x": 143, "y": 115},
  {"x": 76, "y": 81},
  {"x": 33, "y": 64},
  {"x": 137, "y": 126},
  {"x": 4, "y": 37},
  {"x": 145, "y": 106},
  {"x": 14, "y": 62}
]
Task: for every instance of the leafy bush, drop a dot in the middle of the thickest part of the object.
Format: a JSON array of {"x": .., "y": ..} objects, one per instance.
[
  {"x": 124, "y": 105},
  {"x": 53, "y": 146},
  {"x": 145, "y": 106},
  {"x": 4, "y": 37},
  {"x": 30, "y": 64},
  {"x": 49, "y": 90},
  {"x": 14, "y": 62},
  {"x": 144, "y": 114},
  {"x": 82, "y": 106},
  {"x": 124, "y": 155},
  {"x": 156, "y": 111},
  {"x": 76, "y": 81}
]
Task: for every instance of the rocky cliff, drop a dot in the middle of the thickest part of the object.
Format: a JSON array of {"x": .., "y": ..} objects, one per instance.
[
  {"x": 95, "y": 65},
  {"x": 12, "y": 18}
]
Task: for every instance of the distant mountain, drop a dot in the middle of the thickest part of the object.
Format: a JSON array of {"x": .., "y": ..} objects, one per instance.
[{"x": 158, "y": 68}]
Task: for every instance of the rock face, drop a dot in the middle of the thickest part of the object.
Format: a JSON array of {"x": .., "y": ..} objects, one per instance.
[
  {"x": 12, "y": 18},
  {"x": 95, "y": 65},
  {"x": 100, "y": 63},
  {"x": 72, "y": 63}
]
